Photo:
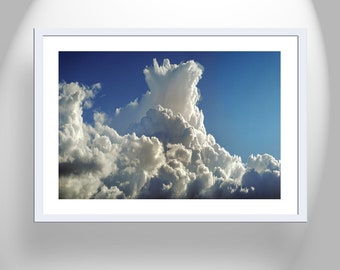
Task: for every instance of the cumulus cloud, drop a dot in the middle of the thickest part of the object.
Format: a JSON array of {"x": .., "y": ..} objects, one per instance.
[
  {"x": 171, "y": 86},
  {"x": 154, "y": 147},
  {"x": 262, "y": 177}
]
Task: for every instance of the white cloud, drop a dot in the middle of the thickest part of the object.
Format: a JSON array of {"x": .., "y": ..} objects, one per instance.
[
  {"x": 263, "y": 176},
  {"x": 171, "y": 86},
  {"x": 263, "y": 163},
  {"x": 167, "y": 152}
]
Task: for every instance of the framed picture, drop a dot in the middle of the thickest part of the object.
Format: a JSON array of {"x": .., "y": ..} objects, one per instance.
[{"x": 170, "y": 125}]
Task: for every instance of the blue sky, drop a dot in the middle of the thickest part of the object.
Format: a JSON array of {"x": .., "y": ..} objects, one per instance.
[{"x": 240, "y": 91}]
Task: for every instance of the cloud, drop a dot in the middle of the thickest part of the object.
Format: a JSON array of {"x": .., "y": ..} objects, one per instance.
[
  {"x": 171, "y": 86},
  {"x": 262, "y": 176},
  {"x": 155, "y": 147}
]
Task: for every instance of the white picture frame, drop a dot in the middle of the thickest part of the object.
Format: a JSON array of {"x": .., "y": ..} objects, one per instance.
[{"x": 292, "y": 205}]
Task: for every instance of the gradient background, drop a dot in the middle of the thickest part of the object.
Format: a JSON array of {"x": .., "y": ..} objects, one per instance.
[{"x": 25, "y": 245}]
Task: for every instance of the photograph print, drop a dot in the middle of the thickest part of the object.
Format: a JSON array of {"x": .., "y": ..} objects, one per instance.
[{"x": 169, "y": 125}]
